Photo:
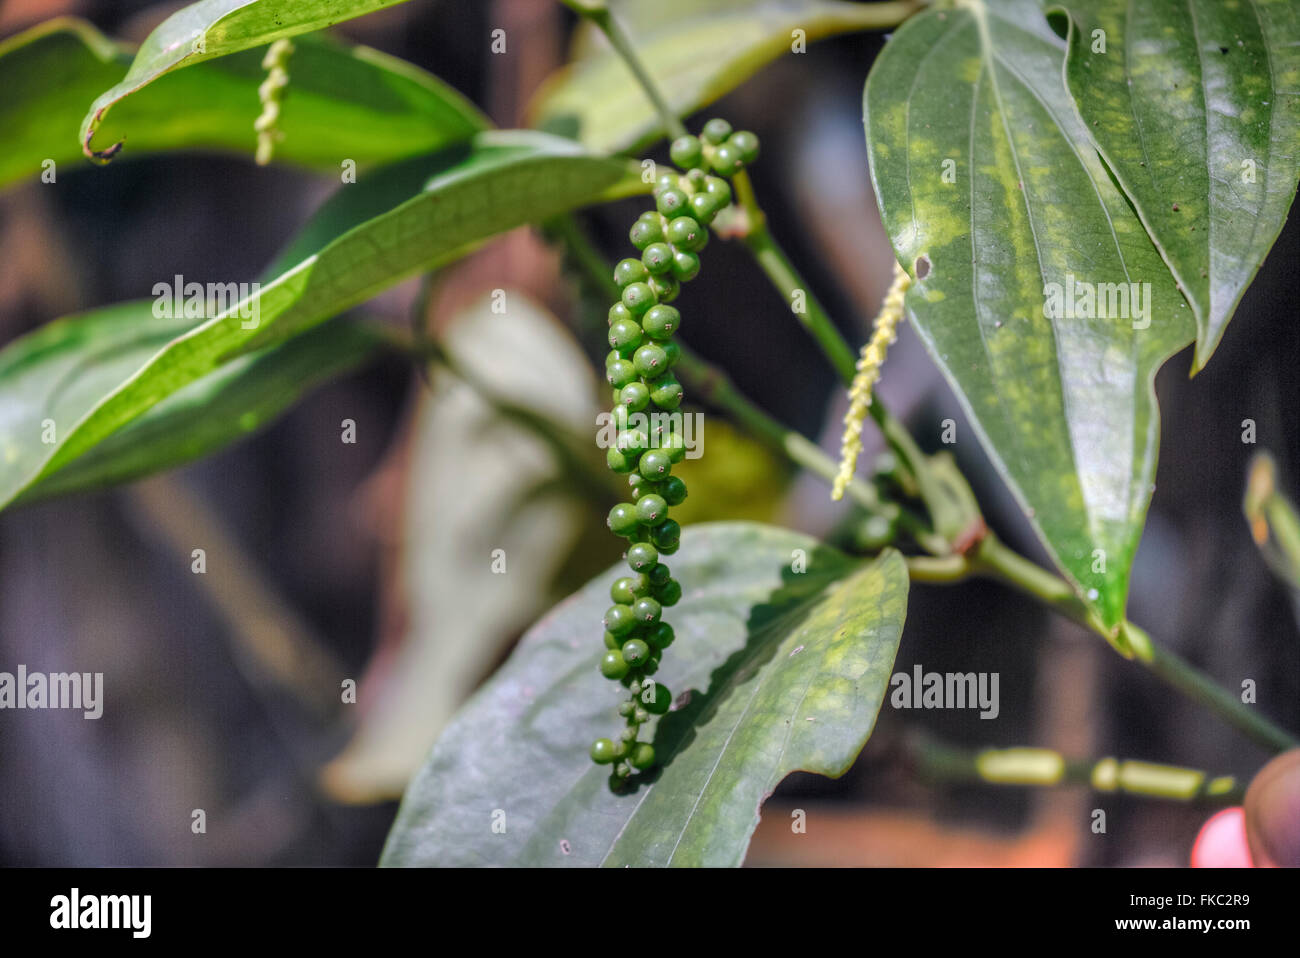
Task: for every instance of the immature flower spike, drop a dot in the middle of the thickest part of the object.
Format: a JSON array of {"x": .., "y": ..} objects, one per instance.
[
  {"x": 873, "y": 357},
  {"x": 271, "y": 92}
]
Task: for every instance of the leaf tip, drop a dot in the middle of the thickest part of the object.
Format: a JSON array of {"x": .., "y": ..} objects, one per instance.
[{"x": 99, "y": 156}]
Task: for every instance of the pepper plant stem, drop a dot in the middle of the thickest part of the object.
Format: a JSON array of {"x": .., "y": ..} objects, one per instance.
[
  {"x": 599, "y": 14},
  {"x": 993, "y": 559},
  {"x": 1045, "y": 767}
]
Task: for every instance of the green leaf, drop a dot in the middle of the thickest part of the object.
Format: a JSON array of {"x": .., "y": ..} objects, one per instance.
[
  {"x": 1195, "y": 106},
  {"x": 215, "y": 28},
  {"x": 499, "y": 181},
  {"x": 227, "y": 405},
  {"x": 695, "y": 52},
  {"x": 346, "y": 103},
  {"x": 986, "y": 175},
  {"x": 786, "y": 671}
]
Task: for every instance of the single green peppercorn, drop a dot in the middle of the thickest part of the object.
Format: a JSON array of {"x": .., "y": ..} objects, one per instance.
[
  {"x": 684, "y": 232},
  {"x": 647, "y": 230},
  {"x": 658, "y": 575},
  {"x": 640, "y": 716},
  {"x": 602, "y": 751},
  {"x": 686, "y": 152},
  {"x": 661, "y": 636},
  {"x": 656, "y": 700},
  {"x": 623, "y": 519},
  {"x": 661, "y": 322},
  {"x": 673, "y": 352},
  {"x": 638, "y": 297},
  {"x": 612, "y": 641},
  {"x": 618, "y": 312},
  {"x": 642, "y": 556},
  {"x": 630, "y": 271},
  {"x": 695, "y": 179},
  {"x": 650, "y": 509},
  {"x": 612, "y": 665},
  {"x": 620, "y": 619},
  {"x": 666, "y": 287},
  {"x": 727, "y": 160},
  {"x": 643, "y": 756},
  {"x": 620, "y": 593},
  {"x": 716, "y": 131},
  {"x": 666, "y": 532},
  {"x": 686, "y": 265},
  {"x": 625, "y": 336},
  {"x": 620, "y": 461},
  {"x": 635, "y": 651},
  {"x": 647, "y": 611},
  {"x": 655, "y": 463},
  {"x": 635, "y": 396},
  {"x": 666, "y": 391},
  {"x": 716, "y": 186},
  {"x": 658, "y": 258},
  {"x": 672, "y": 202},
  {"x": 670, "y": 548},
  {"x": 620, "y": 372},
  {"x": 704, "y": 207},
  {"x": 650, "y": 361},
  {"x": 621, "y": 771},
  {"x": 666, "y": 181},
  {"x": 673, "y": 489},
  {"x": 640, "y": 585},
  {"x": 747, "y": 143},
  {"x": 668, "y": 594}
]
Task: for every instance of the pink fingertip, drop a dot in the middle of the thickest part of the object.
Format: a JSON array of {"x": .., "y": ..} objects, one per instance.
[{"x": 1221, "y": 842}]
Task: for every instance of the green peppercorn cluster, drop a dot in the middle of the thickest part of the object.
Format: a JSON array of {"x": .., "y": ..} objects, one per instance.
[{"x": 639, "y": 368}]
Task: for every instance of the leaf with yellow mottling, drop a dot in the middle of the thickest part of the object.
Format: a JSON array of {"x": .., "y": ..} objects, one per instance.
[
  {"x": 986, "y": 176},
  {"x": 1195, "y": 104}
]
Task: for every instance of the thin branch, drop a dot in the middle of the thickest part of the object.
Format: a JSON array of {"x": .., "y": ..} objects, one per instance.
[
  {"x": 598, "y": 13},
  {"x": 1045, "y": 767}
]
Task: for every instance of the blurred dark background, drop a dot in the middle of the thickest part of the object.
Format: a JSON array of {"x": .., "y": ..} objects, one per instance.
[{"x": 102, "y": 582}]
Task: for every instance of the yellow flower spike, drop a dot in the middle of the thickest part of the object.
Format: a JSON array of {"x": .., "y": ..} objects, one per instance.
[
  {"x": 884, "y": 331},
  {"x": 271, "y": 92}
]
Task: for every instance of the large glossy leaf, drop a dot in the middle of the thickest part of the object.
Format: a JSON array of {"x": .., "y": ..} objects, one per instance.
[
  {"x": 347, "y": 103},
  {"x": 786, "y": 670},
  {"x": 696, "y": 52},
  {"x": 499, "y": 181},
  {"x": 986, "y": 175},
  {"x": 229, "y": 404},
  {"x": 1195, "y": 105},
  {"x": 216, "y": 28}
]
